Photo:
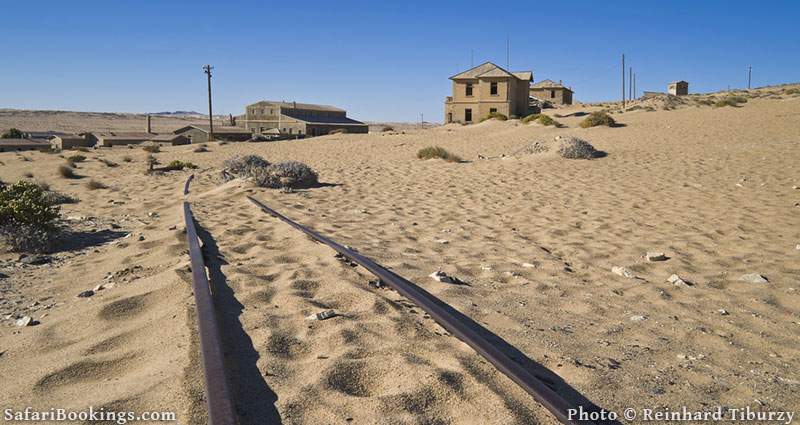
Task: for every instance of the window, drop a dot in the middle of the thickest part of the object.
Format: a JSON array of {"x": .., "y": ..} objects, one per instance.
[
  {"x": 469, "y": 89},
  {"x": 493, "y": 89},
  {"x": 492, "y": 110},
  {"x": 468, "y": 115},
  {"x": 449, "y": 117},
  {"x": 552, "y": 94}
]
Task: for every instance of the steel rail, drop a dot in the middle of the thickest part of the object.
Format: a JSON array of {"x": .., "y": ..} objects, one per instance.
[
  {"x": 543, "y": 394},
  {"x": 219, "y": 402}
]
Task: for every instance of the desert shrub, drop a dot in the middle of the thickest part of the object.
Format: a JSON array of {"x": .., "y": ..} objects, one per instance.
[
  {"x": 27, "y": 220},
  {"x": 792, "y": 91},
  {"x": 575, "y": 148},
  {"x": 127, "y": 158},
  {"x": 94, "y": 185},
  {"x": 546, "y": 120},
  {"x": 387, "y": 128},
  {"x": 289, "y": 174},
  {"x": 67, "y": 172},
  {"x": 495, "y": 115},
  {"x": 705, "y": 102},
  {"x": 11, "y": 133},
  {"x": 223, "y": 143},
  {"x": 338, "y": 131},
  {"x": 530, "y": 118},
  {"x": 598, "y": 118},
  {"x": 109, "y": 163},
  {"x": 74, "y": 159},
  {"x": 434, "y": 152},
  {"x": 28, "y": 175},
  {"x": 151, "y": 148},
  {"x": 178, "y": 165},
  {"x": 728, "y": 101},
  {"x": 200, "y": 149},
  {"x": 25, "y": 158},
  {"x": 243, "y": 166}
]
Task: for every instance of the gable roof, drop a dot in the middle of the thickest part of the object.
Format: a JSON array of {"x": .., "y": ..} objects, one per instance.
[
  {"x": 297, "y": 105},
  {"x": 222, "y": 129},
  {"x": 549, "y": 84},
  {"x": 489, "y": 69}
]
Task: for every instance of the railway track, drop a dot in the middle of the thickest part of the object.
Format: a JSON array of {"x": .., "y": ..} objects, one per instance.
[{"x": 218, "y": 396}]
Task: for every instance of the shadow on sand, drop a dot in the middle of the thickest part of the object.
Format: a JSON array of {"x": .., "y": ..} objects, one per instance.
[
  {"x": 76, "y": 241},
  {"x": 255, "y": 400}
]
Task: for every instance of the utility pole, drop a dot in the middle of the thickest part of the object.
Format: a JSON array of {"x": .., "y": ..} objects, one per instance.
[
  {"x": 207, "y": 69},
  {"x": 422, "y": 120},
  {"x": 630, "y": 83},
  {"x": 749, "y": 76},
  {"x": 635, "y": 95},
  {"x": 623, "y": 80}
]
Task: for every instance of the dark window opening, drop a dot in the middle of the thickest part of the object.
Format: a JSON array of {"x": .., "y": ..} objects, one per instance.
[
  {"x": 552, "y": 93},
  {"x": 493, "y": 89},
  {"x": 492, "y": 110},
  {"x": 468, "y": 115},
  {"x": 449, "y": 117},
  {"x": 469, "y": 89}
]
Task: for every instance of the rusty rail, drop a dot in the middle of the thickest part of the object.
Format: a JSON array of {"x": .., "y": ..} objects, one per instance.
[
  {"x": 219, "y": 402},
  {"x": 543, "y": 394}
]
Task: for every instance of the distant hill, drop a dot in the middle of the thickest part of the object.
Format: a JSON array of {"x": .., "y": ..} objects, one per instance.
[{"x": 178, "y": 113}]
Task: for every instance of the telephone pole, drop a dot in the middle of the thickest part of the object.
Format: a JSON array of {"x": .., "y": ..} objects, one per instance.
[
  {"x": 207, "y": 69},
  {"x": 630, "y": 83},
  {"x": 749, "y": 76},
  {"x": 634, "y": 86},
  {"x": 623, "y": 80}
]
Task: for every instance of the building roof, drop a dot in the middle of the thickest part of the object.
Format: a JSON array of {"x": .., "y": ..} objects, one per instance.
[
  {"x": 45, "y": 134},
  {"x": 679, "y": 81},
  {"x": 24, "y": 142},
  {"x": 68, "y": 137},
  {"x": 549, "y": 84},
  {"x": 222, "y": 129},
  {"x": 297, "y": 105},
  {"x": 489, "y": 69},
  {"x": 323, "y": 120},
  {"x": 123, "y": 135},
  {"x": 164, "y": 137}
]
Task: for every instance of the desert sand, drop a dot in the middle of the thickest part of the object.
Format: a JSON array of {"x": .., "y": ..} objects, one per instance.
[{"x": 534, "y": 236}]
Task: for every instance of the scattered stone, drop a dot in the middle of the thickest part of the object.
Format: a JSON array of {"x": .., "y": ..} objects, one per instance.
[
  {"x": 35, "y": 260},
  {"x": 613, "y": 364},
  {"x": 152, "y": 214},
  {"x": 442, "y": 241},
  {"x": 86, "y": 294},
  {"x": 677, "y": 281},
  {"x": 656, "y": 256},
  {"x": 3, "y": 275},
  {"x": 173, "y": 227},
  {"x": 622, "y": 271},
  {"x": 141, "y": 238},
  {"x": 723, "y": 312},
  {"x": 441, "y": 276},
  {"x": 25, "y": 321},
  {"x": 754, "y": 278},
  {"x": 486, "y": 268},
  {"x": 322, "y": 315},
  {"x": 99, "y": 287},
  {"x": 638, "y": 318},
  {"x": 529, "y": 265},
  {"x": 797, "y": 247}
]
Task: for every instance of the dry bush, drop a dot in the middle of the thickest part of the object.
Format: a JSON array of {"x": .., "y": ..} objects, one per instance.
[
  {"x": 496, "y": 116},
  {"x": 387, "y": 128},
  {"x": 28, "y": 174},
  {"x": 575, "y": 148},
  {"x": 289, "y": 174},
  {"x": 243, "y": 166},
  {"x": 81, "y": 149},
  {"x": 598, "y": 118},
  {"x": 74, "y": 159},
  {"x": 436, "y": 152},
  {"x": 67, "y": 172},
  {"x": 109, "y": 163},
  {"x": 178, "y": 165},
  {"x": 151, "y": 148},
  {"x": 94, "y": 185},
  {"x": 127, "y": 158},
  {"x": 200, "y": 149}
]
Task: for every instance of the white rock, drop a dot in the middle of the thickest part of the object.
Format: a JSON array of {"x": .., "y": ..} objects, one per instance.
[
  {"x": 677, "y": 281},
  {"x": 442, "y": 241},
  {"x": 441, "y": 276},
  {"x": 622, "y": 271},
  {"x": 322, "y": 315},
  {"x": 797, "y": 247},
  {"x": 99, "y": 287},
  {"x": 656, "y": 256},
  {"x": 24, "y": 321},
  {"x": 723, "y": 312},
  {"x": 487, "y": 268},
  {"x": 529, "y": 265},
  {"x": 638, "y": 318},
  {"x": 86, "y": 294},
  {"x": 753, "y": 278}
]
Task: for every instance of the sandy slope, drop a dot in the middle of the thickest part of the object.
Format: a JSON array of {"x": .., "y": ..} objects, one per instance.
[{"x": 712, "y": 188}]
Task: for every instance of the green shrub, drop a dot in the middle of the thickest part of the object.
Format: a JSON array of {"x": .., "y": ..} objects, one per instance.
[
  {"x": 435, "y": 152},
  {"x": 547, "y": 121},
  {"x": 178, "y": 165},
  {"x": 730, "y": 101},
  {"x": 94, "y": 185},
  {"x": 67, "y": 172},
  {"x": 530, "y": 118},
  {"x": 598, "y": 118},
  {"x": 495, "y": 115},
  {"x": 11, "y": 133},
  {"x": 26, "y": 203}
]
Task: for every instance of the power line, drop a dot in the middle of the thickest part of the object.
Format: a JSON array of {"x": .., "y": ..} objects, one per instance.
[
  {"x": 623, "y": 80},
  {"x": 207, "y": 69},
  {"x": 749, "y": 76}
]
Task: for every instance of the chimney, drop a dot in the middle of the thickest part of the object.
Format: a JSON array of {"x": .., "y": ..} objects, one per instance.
[{"x": 147, "y": 118}]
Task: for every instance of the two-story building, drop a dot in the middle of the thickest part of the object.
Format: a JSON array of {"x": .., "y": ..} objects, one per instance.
[
  {"x": 294, "y": 119},
  {"x": 487, "y": 89}
]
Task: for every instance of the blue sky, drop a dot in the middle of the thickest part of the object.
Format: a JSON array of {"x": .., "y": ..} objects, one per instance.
[{"x": 379, "y": 60}]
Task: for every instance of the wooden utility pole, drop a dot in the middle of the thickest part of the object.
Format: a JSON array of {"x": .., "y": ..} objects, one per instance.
[
  {"x": 207, "y": 69},
  {"x": 749, "y": 76},
  {"x": 634, "y": 86},
  {"x": 623, "y": 80},
  {"x": 630, "y": 83}
]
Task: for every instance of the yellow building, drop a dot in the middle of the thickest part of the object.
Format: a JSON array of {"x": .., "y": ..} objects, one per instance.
[{"x": 486, "y": 89}]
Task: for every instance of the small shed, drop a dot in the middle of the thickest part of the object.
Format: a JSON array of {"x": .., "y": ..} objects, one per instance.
[
  {"x": 71, "y": 141},
  {"x": 679, "y": 88}
]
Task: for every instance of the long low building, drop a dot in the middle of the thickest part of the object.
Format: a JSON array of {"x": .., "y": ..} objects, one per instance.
[
  {"x": 294, "y": 119},
  {"x": 113, "y": 138},
  {"x": 14, "y": 145},
  {"x": 198, "y": 133},
  {"x": 71, "y": 141}
]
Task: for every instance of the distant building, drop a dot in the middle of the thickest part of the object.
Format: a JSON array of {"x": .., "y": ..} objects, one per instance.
[
  {"x": 119, "y": 138},
  {"x": 679, "y": 88},
  {"x": 71, "y": 141},
  {"x": 486, "y": 89},
  {"x": 12, "y": 145},
  {"x": 294, "y": 119},
  {"x": 552, "y": 92},
  {"x": 199, "y": 133}
]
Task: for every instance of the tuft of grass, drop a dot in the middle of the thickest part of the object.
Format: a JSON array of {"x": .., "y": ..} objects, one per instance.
[
  {"x": 598, "y": 118},
  {"x": 94, "y": 185},
  {"x": 387, "y": 128},
  {"x": 151, "y": 148},
  {"x": 178, "y": 165},
  {"x": 127, "y": 158},
  {"x": 792, "y": 91},
  {"x": 109, "y": 163},
  {"x": 74, "y": 159},
  {"x": 200, "y": 149},
  {"x": 542, "y": 119},
  {"x": 496, "y": 116},
  {"x": 730, "y": 101},
  {"x": 436, "y": 152},
  {"x": 67, "y": 172}
]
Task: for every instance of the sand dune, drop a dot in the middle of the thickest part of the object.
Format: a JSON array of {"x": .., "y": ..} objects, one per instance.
[{"x": 534, "y": 236}]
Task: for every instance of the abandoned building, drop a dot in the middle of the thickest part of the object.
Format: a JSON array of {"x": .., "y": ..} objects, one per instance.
[
  {"x": 294, "y": 119},
  {"x": 71, "y": 141},
  {"x": 115, "y": 138},
  {"x": 550, "y": 91},
  {"x": 678, "y": 88},
  {"x": 13, "y": 145},
  {"x": 199, "y": 133},
  {"x": 487, "y": 89}
]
